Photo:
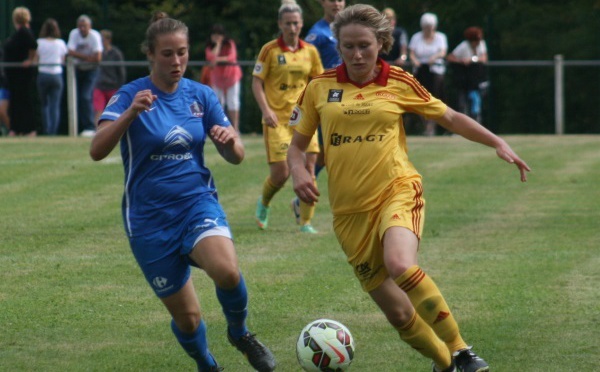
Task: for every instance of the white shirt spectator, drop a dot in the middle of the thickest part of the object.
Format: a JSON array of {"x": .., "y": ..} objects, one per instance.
[{"x": 51, "y": 51}]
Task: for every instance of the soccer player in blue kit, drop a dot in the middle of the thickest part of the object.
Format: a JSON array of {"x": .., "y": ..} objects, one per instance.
[{"x": 170, "y": 207}]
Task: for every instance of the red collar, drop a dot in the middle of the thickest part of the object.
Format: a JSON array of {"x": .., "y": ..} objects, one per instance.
[
  {"x": 380, "y": 79},
  {"x": 285, "y": 48}
]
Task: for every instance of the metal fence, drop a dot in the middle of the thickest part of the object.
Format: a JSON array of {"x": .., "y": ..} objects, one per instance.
[{"x": 558, "y": 64}]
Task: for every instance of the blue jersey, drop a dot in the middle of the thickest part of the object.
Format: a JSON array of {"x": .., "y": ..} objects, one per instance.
[
  {"x": 163, "y": 153},
  {"x": 320, "y": 36}
]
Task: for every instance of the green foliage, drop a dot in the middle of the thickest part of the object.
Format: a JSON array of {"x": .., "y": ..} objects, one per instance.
[
  {"x": 521, "y": 100},
  {"x": 517, "y": 262}
]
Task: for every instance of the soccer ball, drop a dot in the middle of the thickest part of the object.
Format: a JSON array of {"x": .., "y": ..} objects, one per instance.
[{"x": 325, "y": 345}]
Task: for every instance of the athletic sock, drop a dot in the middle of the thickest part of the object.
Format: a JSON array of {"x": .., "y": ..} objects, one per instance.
[
  {"x": 269, "y": 191},
  {"x": 422, "y": 338},
  {"x": 235, "y": 307},
  {"x": 195, "y": 345},
  {"x": 307, "y": 212},
  {"x": 431, "y": 306}
]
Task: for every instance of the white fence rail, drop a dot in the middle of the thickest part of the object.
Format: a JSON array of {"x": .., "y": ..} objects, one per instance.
[{"x": 558, "y": 64}]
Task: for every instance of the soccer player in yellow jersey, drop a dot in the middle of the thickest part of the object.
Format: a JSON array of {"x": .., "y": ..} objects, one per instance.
[
  {"x": 284, "y": 67},
  {"x": 375, "y": 192}
]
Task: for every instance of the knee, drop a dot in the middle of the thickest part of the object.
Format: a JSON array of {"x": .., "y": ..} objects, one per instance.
[
  {"x": 397, "y": 268},
  {"x": 400, "y": 316},
  {"x": 187, "y": 322},
  {"x": 227, "y": 278}
]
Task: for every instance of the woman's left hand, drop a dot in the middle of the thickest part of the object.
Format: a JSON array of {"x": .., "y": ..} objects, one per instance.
[{"x": 222, "y": 135}]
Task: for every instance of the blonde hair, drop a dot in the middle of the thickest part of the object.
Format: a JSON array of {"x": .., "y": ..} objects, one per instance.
[
  {"x": 367, "y": 16},
  {"x": 21, "y": 15},
  {"x": 389, "y": 13},
  {"x": 289, "y": 6}
]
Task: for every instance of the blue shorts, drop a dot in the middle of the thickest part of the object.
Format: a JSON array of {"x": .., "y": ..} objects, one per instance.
[
  {"x": 163, "y": 255},
  {"x": 4, "y": 94}
]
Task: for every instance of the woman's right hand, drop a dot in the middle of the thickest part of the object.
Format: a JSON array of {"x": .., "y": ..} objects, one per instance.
[{"x": 269, "y": 118}]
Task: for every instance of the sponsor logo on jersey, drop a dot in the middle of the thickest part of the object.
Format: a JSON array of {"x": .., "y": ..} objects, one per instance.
[
  {"x": 296, "y": 116},
  {"x": 258, "y": 68},
  {"x": 178, "y": 143},
  {"x": 357, "y": 112},
  {"x": 178, "y": 137},
  {"x": 337, "y": 139},
  {"x": 335, "y": 95},
  {"x": 113, "y": 99},
  {"x": 197, "y": 109},
  {"x": 386, "y": 95},
  {"x": 359, "y": 97},
  {"x": 281, "y": 59}
]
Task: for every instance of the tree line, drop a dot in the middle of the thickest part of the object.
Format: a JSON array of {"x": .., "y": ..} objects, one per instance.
[{"x": 521, "y": 99}]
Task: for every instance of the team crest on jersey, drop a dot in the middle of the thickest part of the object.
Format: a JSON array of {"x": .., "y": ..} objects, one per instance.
[
  {"x": 178, "y": 137},
  {"x": 258, "y": 68},
  {"x": 281, "y": 59},
  {"x": 296, "y": 115},
  {"x": 311, "y": 37},
  {"x": 113, "y": 99},
  {"x": 335, "y": 95},
  {"x": 197, "y": 109}
]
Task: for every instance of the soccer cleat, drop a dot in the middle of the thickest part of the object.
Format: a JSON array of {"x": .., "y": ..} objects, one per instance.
[
  {"x": 468, "y": 361},
  {"x": 262, "y": 214},
  {"x": 258, "y": 355},
  {"x": 295, "y": 204},
  {"x": 452, "y": 368},
  {"x": 308, "y": 229}
]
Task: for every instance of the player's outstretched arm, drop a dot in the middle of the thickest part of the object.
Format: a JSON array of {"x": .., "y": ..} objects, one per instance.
[
  {"x": 463, "y": 125},
  {"x": 304, "y": 186},
  {"x": 109, "y": 132},
  {"x": 228, "y": 143}
]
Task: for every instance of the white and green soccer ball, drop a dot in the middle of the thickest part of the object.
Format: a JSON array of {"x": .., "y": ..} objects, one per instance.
[{"x": 325, "y": 345}]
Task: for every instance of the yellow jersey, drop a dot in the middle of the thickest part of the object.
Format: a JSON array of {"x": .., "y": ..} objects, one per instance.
[
  {"x": 363, "y": 132},
  {"x": 285, "y": 74}
]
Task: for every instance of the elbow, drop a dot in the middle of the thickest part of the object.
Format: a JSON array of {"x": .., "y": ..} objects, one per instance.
[{"x": 96, "y": 154}]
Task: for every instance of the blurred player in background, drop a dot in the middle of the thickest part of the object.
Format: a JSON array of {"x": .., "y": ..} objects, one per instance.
[{"x": 283, "y": 68}]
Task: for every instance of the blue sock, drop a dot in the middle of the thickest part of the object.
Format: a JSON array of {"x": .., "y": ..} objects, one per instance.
[
  {"x": 235, "y": 307},
  {"x": 318, "y": 169},
  {"x": 195, "y": 345}
]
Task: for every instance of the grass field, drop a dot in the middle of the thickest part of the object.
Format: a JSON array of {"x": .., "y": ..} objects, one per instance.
[{"x": 518, "y": 263}]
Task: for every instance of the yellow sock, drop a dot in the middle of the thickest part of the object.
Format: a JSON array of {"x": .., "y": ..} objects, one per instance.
[
  {"x": 269, "y": 191},
  {"x": 307, "y": 212},
  {"x": 422, "y": 338},
  {"x": 431, "y": 306}
]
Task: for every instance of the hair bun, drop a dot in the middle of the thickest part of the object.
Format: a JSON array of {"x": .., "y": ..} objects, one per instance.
[{"x": 158, "y": 15}]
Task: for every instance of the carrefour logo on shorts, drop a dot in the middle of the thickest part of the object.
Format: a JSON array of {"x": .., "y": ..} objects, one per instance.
[{"x": 296, "y": 116}]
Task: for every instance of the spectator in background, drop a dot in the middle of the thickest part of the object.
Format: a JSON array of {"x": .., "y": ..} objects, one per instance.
[
  {"x": 20, "y": 47},
  {"x": 110, "y": 77},
  {"x": 50, "y": 56},
  {"x": 283, "y": 68},
  {"x": 225, "y": 73},
  {"x": 397, "y": 55},
  {"x": 85, "y": 45},
  {"x": 468, "y": 61},
  {"x": 4, "y": 101},
  {"x": 428, "y": 49}
]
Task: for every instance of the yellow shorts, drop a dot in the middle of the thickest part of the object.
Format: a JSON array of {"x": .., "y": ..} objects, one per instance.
[
  {"x": 277, "y": 140},
  {"x": 361, "y": 234}
]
